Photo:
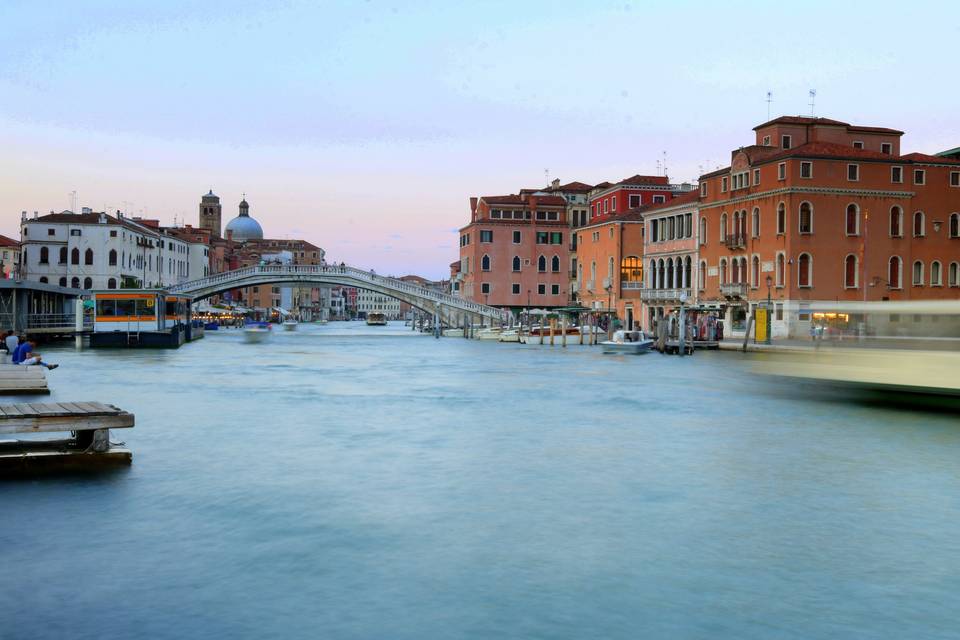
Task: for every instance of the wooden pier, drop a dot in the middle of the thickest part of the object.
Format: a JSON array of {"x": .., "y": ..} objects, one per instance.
[
  {"x": 89, "y": 447},
  {"x": 17, "y": 379}
]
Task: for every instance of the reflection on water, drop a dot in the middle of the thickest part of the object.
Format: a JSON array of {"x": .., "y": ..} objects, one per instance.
[{"x": 348, "y": 481}]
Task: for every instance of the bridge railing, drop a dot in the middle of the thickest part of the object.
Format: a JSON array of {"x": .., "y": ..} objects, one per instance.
[{"x": 357, "y": 274}]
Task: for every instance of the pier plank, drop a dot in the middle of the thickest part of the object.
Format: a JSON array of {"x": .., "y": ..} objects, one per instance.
[{"x": 54, "y": 422}]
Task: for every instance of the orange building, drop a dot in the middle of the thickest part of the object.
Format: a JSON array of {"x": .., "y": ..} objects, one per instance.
[
  {"x": 514, "y": 252},
  {"x": 821, "y": 210}
]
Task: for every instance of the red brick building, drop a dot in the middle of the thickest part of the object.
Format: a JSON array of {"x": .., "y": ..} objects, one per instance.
[
  {"x": 515, "y": 252},
  {"x": 826, "y": 211}
]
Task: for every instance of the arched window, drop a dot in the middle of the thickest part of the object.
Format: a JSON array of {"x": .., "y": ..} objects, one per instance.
[
  {"x": 742, "y": 229},
  {"x": 735, "y": 269},
  {"x": 781, "y": 269},
  {"x": 516, "y": 263},
  {"x": 853, "y": 220},
  {"x": 918, "y": 226},
  {"x": 723, "y": 271},
  {"x": 703, "y": 231},
  {"x": 896, "y": 222},
  {"x": 541, "y": 264},
  {"x": 661, "y": 275},
  {"x": 755, "y": 272},
  {"x": 918, "y": 273},
  {"x": 652, "y": 275},
  {"x": 44, "y": 255},
  {"x": 555, "y": 264},
  {"x": 23, "y": 257},
  {"x": 702, "y": 275},
  {"x": 850, "y": 272},
  {"x": 63, "y": 255},
  {"x": 671, "y": 228},
  {"x": 781, "y": 218},
  {"x": 88, "y": 283},
  {"x": 593, "y": 272},
  {"x": 687, "y": 267},
  {"x": 63, "y": 282},
  {"x": 723, "y": 227},
  {"x": 954, "y": 275},
  {"x": 43, "y": 279},
  {"x": 805, "y": 270},
  {"x": 610, "y": 269},
  {"x": 955, "y": 225},
  {"x": 669, "y": 273},
  {"x": 895, "y": 273},
  {"x": 806, "y": 217},
  {"x": 75, "y": 256},
  {"x": 88, "y": 257},
  {"x": 485, "y": 263},
  {"x": 113, "y": 257},
  {"x": 112, "y": 283},
  {"x": 75, "y": 282},
  {"x": 936, "y": 274},
  {"x": 631, "y": 269},
  {"x": 755, "y": 222}
]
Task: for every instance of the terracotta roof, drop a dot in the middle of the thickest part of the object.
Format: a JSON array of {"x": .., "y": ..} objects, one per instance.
[
  {"x": 875, "y": 130},
  {"x": 8, "y": 242},
  {"x": 802, "y": 120},
  {"x": 923, "y": 157},
  {"x": 574, "y": 186},
  {"x": 68, "y": 217},
  {"x": 682, "y": 199},
  {"x": 519, "y": 200},
  {"x": 639, "y": 179},
  {"x": 831, "y": 150}
]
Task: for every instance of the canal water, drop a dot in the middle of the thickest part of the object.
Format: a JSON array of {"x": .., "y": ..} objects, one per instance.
[{"x": 346, "y": 481}]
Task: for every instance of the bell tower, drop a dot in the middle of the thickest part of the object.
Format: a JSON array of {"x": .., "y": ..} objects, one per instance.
[{"x": 210, "y": 213}]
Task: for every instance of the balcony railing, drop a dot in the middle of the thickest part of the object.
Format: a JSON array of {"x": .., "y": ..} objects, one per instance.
[
  {"x": 573, "y": 246},
  {"x": 734, "y": 289},
  {"x": 735, "y": 241},
  {"x": 665, "y": 294},
  {"x": 631, "y": 285}
]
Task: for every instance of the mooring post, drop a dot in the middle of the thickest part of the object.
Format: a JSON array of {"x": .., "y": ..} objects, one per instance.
[
  {"x": 78, "y": 322},
  {"x": 553, "y": 324},
  {"x": 563, "y": 330}
]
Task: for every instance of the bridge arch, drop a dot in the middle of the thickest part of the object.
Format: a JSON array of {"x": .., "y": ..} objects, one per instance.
[{"x": 452, "y": 310}]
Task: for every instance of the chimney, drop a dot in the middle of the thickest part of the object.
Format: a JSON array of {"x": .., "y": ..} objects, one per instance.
[
  {"x": 556, "y": 183},
  {"x": 36, "y": 215},
  {"x": 102, "y": 219},
  {"x": 23, "y": 216},
  {"x": 87, "y": 210}
]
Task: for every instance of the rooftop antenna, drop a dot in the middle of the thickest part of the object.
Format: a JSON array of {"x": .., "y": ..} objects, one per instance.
[
  {"x": 769, "y": 100},
  {"x": 658, "y": 168},
  {"x": 813, "y": 102},
  {"x": 664, "y": 163},
  {"x": 546, "y": 174},
  {"x": 73, "y": 201}
]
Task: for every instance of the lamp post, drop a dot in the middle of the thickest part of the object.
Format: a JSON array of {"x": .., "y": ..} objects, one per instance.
[
  {"x": 769, "y": 308},
  {"x": 529, "y": 325}
]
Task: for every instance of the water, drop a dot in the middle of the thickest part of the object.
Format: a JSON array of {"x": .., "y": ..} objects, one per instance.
[{"x": 357, "y": 482}]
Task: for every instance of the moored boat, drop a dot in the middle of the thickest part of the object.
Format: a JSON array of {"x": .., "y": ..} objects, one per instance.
[{"x": 633, "y": 342}]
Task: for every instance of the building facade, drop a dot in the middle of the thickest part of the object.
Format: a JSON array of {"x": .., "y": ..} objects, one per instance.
[
  {"x": 9, "y": 257},
  {"x": 818, "y": 210},
  {"x": 670, "y": 256},
  {"x": 514, "y": 253}
]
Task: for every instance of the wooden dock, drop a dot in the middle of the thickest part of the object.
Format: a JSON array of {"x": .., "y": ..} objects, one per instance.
[
  {"x": 17, "y": 379},
  {"x": 88, "y": 448}
]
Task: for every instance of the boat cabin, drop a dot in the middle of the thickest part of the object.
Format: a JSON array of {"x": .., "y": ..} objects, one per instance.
[{"x": 141, "y": 317}]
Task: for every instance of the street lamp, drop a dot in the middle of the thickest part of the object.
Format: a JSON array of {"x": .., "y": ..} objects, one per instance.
[{"x": 769, "y": 308}]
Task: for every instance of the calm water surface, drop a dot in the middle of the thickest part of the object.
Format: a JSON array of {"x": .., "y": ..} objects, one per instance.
[{"x": 356, "y": 482}]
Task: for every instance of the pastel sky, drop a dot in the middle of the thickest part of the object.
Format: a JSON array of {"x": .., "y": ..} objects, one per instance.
[{"x": 364, "y": 127}]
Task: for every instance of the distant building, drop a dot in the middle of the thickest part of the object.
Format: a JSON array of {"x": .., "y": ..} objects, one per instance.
[
  {"x": 210, "y": 213},
  {"x": 243, "y": 227},
  {"x": 370, "y": 301},
  {"x": 9, "y": 257}
]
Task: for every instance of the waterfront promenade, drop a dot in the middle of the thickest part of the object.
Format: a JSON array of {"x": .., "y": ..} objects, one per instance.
[{"x": 358, "y": 482}]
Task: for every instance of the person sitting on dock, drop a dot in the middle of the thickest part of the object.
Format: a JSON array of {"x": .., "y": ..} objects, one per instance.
[
  {"x": 10, "y": 342},
  {"x": 25, "y": 355}
]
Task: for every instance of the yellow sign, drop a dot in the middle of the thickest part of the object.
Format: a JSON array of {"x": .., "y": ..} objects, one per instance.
[
  {"x": 150, "y": 303},
  {"x": 760, "y": 324}
]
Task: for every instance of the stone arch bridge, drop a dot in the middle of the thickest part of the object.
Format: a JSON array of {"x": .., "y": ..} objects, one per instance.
[{"x": 450, "y": 310}]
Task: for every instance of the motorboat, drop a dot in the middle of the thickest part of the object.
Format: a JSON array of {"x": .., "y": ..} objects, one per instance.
[
  {"x": 289, "y": 324},
  {"x": 256, "y": 332},
  {"x": 377, "y": 319},
  {"x": 627, "y": 342},
  {"x": 509, "y": 335},
  {"x": 452, "y": 333}
]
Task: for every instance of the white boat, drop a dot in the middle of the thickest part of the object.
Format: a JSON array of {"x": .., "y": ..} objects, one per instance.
[
  {"x": 289, "y": 325},
  {"x": 452, "y": 333},
  {"x": 375, "y": 318},
  {"x": 254, "y": 333},
  {"x": 623, "y": 345},
  {"x": 490, "y": 333},
  {"x": 510, "y": 335}
]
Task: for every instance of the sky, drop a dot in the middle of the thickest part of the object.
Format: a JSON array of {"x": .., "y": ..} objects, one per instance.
[{"x": 365, "y": 126}]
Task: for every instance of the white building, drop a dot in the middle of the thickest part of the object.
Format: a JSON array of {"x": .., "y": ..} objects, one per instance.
[
  {"x": 368, "y": 301},
  {"x": 98, "y": 251}
]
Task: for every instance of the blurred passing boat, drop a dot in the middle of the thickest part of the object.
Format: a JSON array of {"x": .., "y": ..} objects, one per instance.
[{"x": 908, "y": 346}]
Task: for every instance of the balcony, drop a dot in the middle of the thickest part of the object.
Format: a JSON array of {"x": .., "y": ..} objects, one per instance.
[
  {"x": 665, "y": 295},
  {"x": 735, "y": 241},
  {"x": 573, "y": 246},
  {"x": 631, "y": 285},
  {"x": 734, "y": 289}
]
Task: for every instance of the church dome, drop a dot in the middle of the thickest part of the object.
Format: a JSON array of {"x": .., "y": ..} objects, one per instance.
[{"x": 244, "y": 228}]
